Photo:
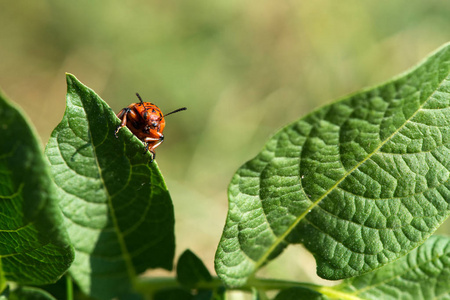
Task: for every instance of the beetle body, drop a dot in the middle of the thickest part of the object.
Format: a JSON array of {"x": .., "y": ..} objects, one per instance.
[{"x": 146, "y": 121}]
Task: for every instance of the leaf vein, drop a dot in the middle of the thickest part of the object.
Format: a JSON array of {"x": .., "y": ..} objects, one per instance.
[{"x": 283, "y": 236}]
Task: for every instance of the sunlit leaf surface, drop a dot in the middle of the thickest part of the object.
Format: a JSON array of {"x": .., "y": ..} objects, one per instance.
[
  {"x": 360, "y": 182},
  {"x": 422, "y": 274},
  {"x": 117, "y": 208}
]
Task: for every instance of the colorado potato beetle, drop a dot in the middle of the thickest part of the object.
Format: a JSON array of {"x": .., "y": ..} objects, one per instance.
[{"x": 146, "y": 121}]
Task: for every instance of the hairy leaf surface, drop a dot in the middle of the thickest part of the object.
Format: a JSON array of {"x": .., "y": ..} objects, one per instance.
[
  {"x": 34, "y": 247},
  {"x": 117, "y": 207},
  {"x": 422, "y": 274},
  {"x": 360, "y": 182}
]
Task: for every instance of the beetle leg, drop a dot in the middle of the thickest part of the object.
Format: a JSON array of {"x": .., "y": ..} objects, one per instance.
[
  {"x": 153, "y": 156},
  {"x": 156, "y": 145},
  {"x": 122, "y": 115},
  {"x": 153, "y": 147},
  {"x": 152, "y": 152},
  {"x": 150, "y": 139},
  {"x": 146, "y": 147}
]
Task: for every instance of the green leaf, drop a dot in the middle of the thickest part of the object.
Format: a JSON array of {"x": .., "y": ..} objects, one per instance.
[
  {"x": 34, "y": 245},
  {"x": 191, "y": 270},
  {"x": 118, "y": 210},
  {"x": 422, "y": 274},
  {"x": 360, "y": 182},
  {"x": 296, "y": 293},
  {"x": 30, "y": 293}
]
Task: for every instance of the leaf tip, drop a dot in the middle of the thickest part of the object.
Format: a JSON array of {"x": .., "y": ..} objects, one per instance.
[{"x": 70, "y": 78}]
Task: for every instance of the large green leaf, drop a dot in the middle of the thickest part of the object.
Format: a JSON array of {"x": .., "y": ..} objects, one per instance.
[
  {"x": 34, "y": 246},
  {"x": 422, "y": 274},
  {"x": 359, "y": 182},
  {"x": 118, "y": 211}
]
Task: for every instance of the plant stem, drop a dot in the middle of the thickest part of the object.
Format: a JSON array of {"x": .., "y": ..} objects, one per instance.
[
  {"x": 69, "y": 286},
  {"x": 149, "y": 285}
]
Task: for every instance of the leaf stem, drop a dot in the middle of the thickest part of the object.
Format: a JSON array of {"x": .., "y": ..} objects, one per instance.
[
  {"x": 69, "y": 287},
  {"x": 150, "y": 285}
]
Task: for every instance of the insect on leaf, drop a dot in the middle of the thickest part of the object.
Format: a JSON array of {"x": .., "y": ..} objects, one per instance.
[
  {"x": 359, "y": 182},
  {"x": 117, "y": 208}
]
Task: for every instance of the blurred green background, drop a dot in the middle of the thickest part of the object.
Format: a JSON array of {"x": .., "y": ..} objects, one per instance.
[{"x": 243, "y": 69}]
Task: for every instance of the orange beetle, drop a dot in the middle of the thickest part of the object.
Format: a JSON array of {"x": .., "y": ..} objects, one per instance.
[{"x": 146, "y": 121}]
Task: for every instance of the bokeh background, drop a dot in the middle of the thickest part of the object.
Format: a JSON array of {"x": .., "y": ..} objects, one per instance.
[{"x": 243, "y": 68}]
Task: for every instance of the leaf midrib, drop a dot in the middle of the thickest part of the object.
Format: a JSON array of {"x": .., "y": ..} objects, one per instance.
[
  {"x": 283, "y": 236},
  {"x": 126, "y": 254}
]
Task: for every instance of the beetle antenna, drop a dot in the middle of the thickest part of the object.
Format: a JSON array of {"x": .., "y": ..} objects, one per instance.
[
  {"x": 139, "y": 97},
  {"x": 172, "y": 112}
]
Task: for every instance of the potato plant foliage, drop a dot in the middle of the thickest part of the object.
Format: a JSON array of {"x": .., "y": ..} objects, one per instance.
[{"x": 362, "y": 183}]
